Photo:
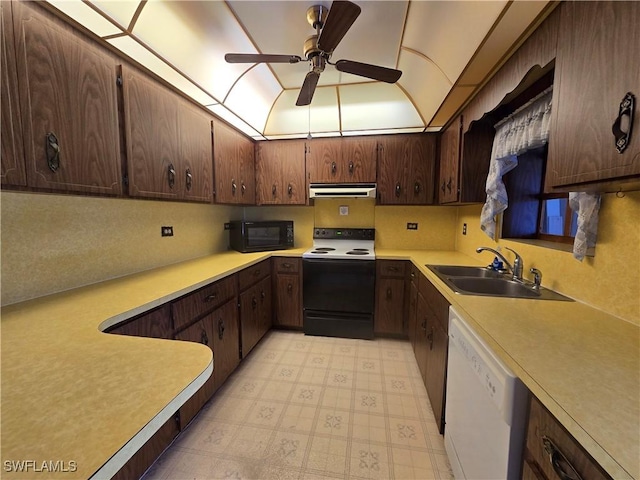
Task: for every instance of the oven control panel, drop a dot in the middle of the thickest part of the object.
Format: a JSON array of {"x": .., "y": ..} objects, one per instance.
[{"x": 350, "y": 233}]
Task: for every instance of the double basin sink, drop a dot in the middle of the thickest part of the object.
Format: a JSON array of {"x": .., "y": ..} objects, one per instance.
[{"x": 484, "y": 281}]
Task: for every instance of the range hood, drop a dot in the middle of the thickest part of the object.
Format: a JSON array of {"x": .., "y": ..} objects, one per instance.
[{"x": 342, "y": 190}]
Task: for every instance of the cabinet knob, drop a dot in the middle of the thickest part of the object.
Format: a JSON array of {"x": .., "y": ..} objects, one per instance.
[
  {"x": 211, "y": 298},
  {"x": 423, "y": 325},
  {"x": 398, "y": 189},
  {"x": 443, "y": 186},
  {"x": 416, "y": 188},
  {"x": 289, "y": 288},
  {"x": 262, "y": 295},
  {"x": 334, "y": 168},
  {"x": 287, "y": 265},
  {"x": 351, "y": 168},
  {"x": 234, "y": 187},
  {"x": 290, "y": 190},
  {"x": 392, "y": 269},
  {"x": 273, "y": 190},
  {"x": 172, "y": 175},
  {"x": 220, "y": 328},
  {"x": 203, "y": 338},
  {"x": 389, "y": 293},
  {"x": 243, "y": 188},
  {"x": 430, "y": 338},
  {"x": 412, "y": 275},
  {"x": 449, "y": 184},
  {"x": 189, "y": 180},
  {"x": 559, "y": 462},
  {"x": 254, "y": 303},
  {"x": 622, "y": 138},
  {"x": 53, "y": 151}
]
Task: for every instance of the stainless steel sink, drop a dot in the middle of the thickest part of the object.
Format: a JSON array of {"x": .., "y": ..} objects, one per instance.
[{"x": 466, "y": 280}]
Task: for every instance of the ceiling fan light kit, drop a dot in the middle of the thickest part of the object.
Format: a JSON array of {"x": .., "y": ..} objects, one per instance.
[{"x": 331, "y": 27}]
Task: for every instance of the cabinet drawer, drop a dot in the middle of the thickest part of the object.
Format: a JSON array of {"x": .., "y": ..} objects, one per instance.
[
  {"x": 544, "y": 427},
  {"x": 192, "y": 306},
  {"x": 251, "y": 275},
  {"x": 391, "y": 268},
  {"x": 286, "y": 264}
]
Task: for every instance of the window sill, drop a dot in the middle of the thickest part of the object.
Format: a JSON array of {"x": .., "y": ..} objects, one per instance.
[{"x": 563, "y": 247}]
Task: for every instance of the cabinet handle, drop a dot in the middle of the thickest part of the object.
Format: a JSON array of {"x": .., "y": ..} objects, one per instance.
[
  {"x": 220, "y": 328},
  {"x": 626, "y": 110},
  {"x": 211, "y": 298},
  {"x": 412, "y": 275},
  {"x": 334, "y": 168},
  {"x": 273, "y": 190},
  {"x": 392, "y": 269},
  {"x": 389, "y": 293},
  {"x": 262, "y": 295},
  {"x": 53, "y": 151},
  {"x": 443, "y": 186},
  {"x": 351, "y": 168},
  {"x": 243, "y": 188},
  {"x": 203, "y": 338},
  {"x": 449, "y": 184},
  {"x": 256, "y": 273},
  {"x": 254, "y": 303},
  {"x": 290, "y": 190},
  {"x": 416, "y": 188},
  {"x": 398, "y": 189},
  {"x": 189, "y": 180},
  {"x": 423, "y": 325},
  {"x": 289, "y": 288},
  {"x": 171, "y": 175},
  {"x": 430, "y": 338},
  {"x": 234, "y": 187},
  {"x": 559, "y": 462},
  {"x": 287, "y": 265}
]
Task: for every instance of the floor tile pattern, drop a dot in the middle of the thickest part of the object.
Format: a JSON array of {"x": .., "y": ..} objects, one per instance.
[{"x": 303, "y": 407}]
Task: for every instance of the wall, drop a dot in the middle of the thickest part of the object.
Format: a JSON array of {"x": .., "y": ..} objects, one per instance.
[
  {"x": 52, "y": 243},
  {"x": 609, "y": 281}
]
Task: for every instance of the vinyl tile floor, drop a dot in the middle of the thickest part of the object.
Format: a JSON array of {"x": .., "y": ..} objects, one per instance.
[{"x": 304, "y": 407}]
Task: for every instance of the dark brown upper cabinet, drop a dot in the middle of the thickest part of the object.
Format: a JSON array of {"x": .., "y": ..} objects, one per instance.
[
  {"x": 406, "y": 169},
  {"x": 68, "y": 105},
  {"x": 234, "y": 166},
  {"x": 169, "y": 153},
  {"x": 598, "y": 63},
  {"x": 280, "y": 168},
  {"x": 341, "y": 160}
]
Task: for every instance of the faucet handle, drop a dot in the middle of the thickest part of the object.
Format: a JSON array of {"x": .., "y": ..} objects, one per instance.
[{"x": 537, "y": 277}]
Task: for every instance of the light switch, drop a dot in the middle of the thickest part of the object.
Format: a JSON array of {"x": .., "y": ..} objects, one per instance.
[{"x": 344, "y": 209}]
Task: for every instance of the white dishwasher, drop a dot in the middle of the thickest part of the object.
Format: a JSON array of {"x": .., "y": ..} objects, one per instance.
[{"x": 486, "y": 409}]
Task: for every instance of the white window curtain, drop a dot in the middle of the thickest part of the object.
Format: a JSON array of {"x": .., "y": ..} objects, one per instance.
[{"x": 527, "y": 128}]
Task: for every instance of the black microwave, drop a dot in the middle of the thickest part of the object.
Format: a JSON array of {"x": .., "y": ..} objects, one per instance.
[{"x": 260, "y": 236}]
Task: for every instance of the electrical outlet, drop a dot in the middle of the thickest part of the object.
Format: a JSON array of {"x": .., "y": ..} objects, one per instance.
[
  {"x": 412, "y": 226},
  {"x": 464, "y": 228},
  {"x": 166, "y": 231}
]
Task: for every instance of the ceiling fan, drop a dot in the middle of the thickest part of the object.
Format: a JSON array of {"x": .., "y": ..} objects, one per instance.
[{"x": 330, "y": 27}]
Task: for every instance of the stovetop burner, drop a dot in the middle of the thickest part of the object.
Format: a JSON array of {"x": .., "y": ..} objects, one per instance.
[{"x": 345, "y": 243}]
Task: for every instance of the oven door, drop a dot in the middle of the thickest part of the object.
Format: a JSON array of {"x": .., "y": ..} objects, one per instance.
[{"x": 341, "y": 286}]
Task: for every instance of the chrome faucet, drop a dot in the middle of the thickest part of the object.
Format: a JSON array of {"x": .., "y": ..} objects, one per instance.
[{"x": 516, "y": 268}]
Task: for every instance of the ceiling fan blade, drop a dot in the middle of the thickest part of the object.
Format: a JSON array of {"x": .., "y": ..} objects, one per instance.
[
  {"x": 341, "y": 16},
  {"x": 374, "y": 72},
  {"x": 260, "y": 58},
  {"x": 308, "y": 89}
]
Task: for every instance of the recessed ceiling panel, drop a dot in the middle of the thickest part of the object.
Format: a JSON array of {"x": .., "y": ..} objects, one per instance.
[
  {"x": 322, "y": 116},
  {"x": 121, "y": 11},
  {"x": 376, "y": 106},
  {"x": 86, "y": 16},
  {"x": 449, "y": 32},
  {"x": 424, "y": 82},
  {"x": 140, "y": 54},
  {"x": 253, "y": 95},
  {"x": 194, "y": 36}
]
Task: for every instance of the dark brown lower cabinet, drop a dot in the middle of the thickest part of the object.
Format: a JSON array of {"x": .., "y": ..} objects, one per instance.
[
  {"x": 390, "y": 298},
  {"x": 288, "y": 300},
  {"x": 226, "y": 342},
  {"x": 156, "y": 323},
  {"x": 255, "y": 314},
  {"x": 551, "y": 453}
]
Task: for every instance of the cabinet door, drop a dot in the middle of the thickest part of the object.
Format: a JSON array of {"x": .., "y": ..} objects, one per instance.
[
  {"x": 598, "y": 62},
  {"x": 247, "y": 176},
  {"x": 422, "y": 172},
  {"x": 435, "y": 377},
  {"x": 422, "y": 346},
  {"x": 249, "y": 318},
  {"x": 200, "y": 332},
  {"x": 265, "y": 320},
  {"x": 226, "y": 341},
  {"x": 12, "y": 171},
  {"x": 323, "y": 157},
  {"x": 389, "y": 313},
  {"x": 413, "y": 310},
  {"x": 151, "y": 127},
  {"x": 359, "y": 156},
  {"x": 196, "y": 167},
  {"x": 69, "y": 106},
  {"x": 269, "y": 166},
  {"x": 293, "y": 191},
  {"x": 288, "y": 300},
  {"x": 449, "y": 162},
  {"x": 226, "y": 164},
  {"x": 394, "y": 159}
]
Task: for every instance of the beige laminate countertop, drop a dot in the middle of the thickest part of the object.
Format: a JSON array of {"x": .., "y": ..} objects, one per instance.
[
  {"x": 583, "y": 364},
  {"x": 72, "y": 393}
]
